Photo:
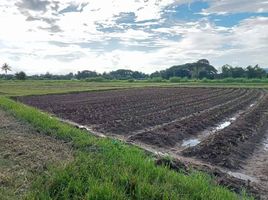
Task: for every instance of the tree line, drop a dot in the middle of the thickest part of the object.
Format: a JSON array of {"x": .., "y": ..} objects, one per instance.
[{"x": 197, "y": 70}]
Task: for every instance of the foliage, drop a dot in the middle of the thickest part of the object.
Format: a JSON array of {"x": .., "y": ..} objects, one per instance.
[
  {"x": 5, "y": 67},
  {"x": 20, "y": 75},
  {"x": 239, "y": 72},
  {"x": 202, "y": 69},
  {"x": 86, "y": 74},
  {"x": 156, "y": 80},
  {"x": 123, "y": 74},
  {"x": 131, "y": 80},
  {"x": 179, "y": 80},
  {"x": 199, "y": 69},
  {"x": 96, "y": 79}
]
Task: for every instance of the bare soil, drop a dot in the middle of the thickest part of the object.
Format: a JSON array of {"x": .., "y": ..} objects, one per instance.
[
  {"x": 24, "y": 154},
  {"x": 160, "y": 119},
  {"x": 123, "y": 112},
  {"x": 230, "y": 146}
]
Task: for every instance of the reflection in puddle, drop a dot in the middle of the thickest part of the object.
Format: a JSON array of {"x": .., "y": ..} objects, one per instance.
[
  {"x": 265, "y": 144},
  {"x": 223, "y": 125},
  {"x": 190, "y": 142},
  {"x": 242, "y": 176},
  {"x": 195, "y": 141}
]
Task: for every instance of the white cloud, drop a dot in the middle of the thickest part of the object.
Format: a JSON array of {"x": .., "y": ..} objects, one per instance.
[
  {"x": 236, "y": 6},
  {"x": 33, "y": 46}
]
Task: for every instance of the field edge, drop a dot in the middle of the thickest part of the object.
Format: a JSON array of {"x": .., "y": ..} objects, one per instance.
[{"x": 142, "y": 166}]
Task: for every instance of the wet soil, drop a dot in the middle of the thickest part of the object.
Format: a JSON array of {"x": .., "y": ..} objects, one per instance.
[
  {"x": 126, "y": 111},
  {"x": 163, "y": 120},
  {"x": 256, "y": 166},
  {"x": 232, "y": 145},
  {"x": 173, "y": 133}
]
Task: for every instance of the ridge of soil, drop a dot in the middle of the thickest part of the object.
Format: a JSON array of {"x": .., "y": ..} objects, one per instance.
[{"x": 160, "y": 119}]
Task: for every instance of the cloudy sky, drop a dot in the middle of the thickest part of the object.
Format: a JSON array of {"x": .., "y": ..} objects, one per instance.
[{"x": 60, "y": 36}]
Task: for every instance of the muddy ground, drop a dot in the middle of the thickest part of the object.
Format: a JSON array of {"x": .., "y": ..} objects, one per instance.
[
  {"x": 124, "y": 112},
  {"x": 230, "y": 146},
  {"x": 224, "y": 128},
  {"x": 24, "y": 154}
]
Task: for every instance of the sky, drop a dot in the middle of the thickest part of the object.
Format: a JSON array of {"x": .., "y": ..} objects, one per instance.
[{"x": 62, "y": 36}]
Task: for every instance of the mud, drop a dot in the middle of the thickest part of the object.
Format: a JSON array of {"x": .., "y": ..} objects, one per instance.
[
  {"x": 256, "y": 166},
  {"x": 174, "y": 133},
  {"x": 126, "y": 111},
  {"x": 219, "y": 131},
  {"x": 232, "y": 145}
]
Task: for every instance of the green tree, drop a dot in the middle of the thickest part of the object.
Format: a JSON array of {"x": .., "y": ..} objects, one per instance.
[
  {"x": 199, "y": 69},
  {"x": 86, "y": 74},
  {"x": 255, "y": 72},
  {"x": 226, "y": 71},
  {"x": 6, "y": 68},
  {"x": 20, "y": 76},
  {"x": 238, "y": 72}
]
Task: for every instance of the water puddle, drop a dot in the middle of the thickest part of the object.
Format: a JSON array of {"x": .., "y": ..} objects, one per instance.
[
  {"x": 242, "y": 176},
  {"x": 226, "y": 123},
  {"x": 223, "y": 125},
  {"x": 190, "y": 142},
  {"x": 90, "y": 130},
  {"x": 229, "y": 121},
  {"x": 265, "y": 143},
  {"x": 195, "y": 141}
]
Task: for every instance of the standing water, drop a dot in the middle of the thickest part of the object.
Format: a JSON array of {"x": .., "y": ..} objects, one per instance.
[{"x": 190, "y": 142}]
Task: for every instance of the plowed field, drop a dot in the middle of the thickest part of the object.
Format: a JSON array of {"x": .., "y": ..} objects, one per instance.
[{"x": 223, "y": 127}]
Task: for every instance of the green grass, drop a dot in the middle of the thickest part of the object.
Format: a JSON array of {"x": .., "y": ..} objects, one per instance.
[
  {"x": 29, "y": 87},
  {"x": 108, "y": 169}
]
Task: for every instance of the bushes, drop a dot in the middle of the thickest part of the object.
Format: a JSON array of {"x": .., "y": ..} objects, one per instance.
[
  {"x": 180, "y": 80},
  {"x": 235, "y": 80},
  {"x": 157, "y": 80},
  {"x": 96, "y": 79},
  {"x": 131, "y": 80}
]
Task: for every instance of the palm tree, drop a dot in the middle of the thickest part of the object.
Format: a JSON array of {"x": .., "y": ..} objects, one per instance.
[{"x": 6, "y": 67}]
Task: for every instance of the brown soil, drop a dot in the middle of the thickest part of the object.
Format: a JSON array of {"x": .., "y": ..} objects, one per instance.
[
  {"x": 24, "y": 154},
  {"x": 232, "y": 145},
  {"x": 257, "y": 166},
  {"x": 220, "y": 177},
  {"x": 160, "y": 119},
  {"x": 173, "y": 133},
  {"x": 124, "y": 112}
]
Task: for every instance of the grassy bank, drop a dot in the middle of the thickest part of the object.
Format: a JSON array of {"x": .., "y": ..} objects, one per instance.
[
  {"x": 108, "y": 169},
  {"x": 29, "y": 87}
]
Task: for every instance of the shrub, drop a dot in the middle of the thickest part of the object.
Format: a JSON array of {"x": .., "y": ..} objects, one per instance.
[
  {"x": 157, "y": 80},
  {"x": 131, "y": 80},
  {"x": 96, "y": 79},
  {"x": 175, "y": 80}
]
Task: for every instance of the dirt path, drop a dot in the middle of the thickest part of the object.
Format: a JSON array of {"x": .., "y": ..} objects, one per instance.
[
  {"x": 257, "y": 166},
  {"x": 24, "y": 154}
]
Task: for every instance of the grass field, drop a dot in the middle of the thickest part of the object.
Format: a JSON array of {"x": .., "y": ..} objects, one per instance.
[
  {"x": 103, "y": 168},
  {"x": 20, "y": 88}
]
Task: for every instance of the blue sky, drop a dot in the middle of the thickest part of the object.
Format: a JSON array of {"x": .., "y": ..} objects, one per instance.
[{"x": 145, "y": 35}]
